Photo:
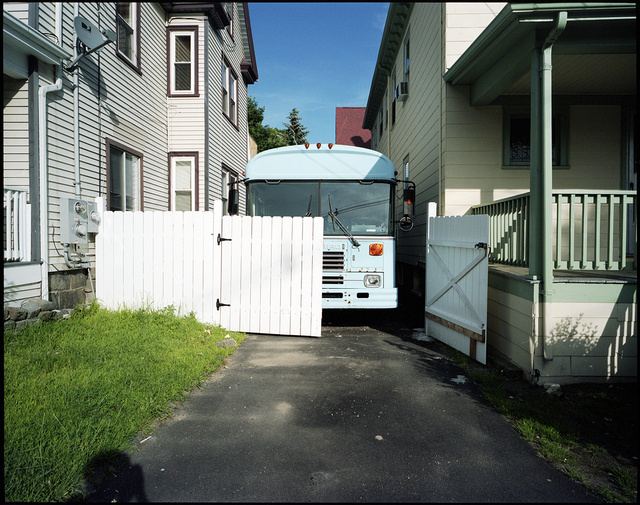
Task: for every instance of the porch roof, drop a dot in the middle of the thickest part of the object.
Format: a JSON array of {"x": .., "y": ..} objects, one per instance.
[
  {"x": 596, "y": 54},
  {"x": 20, "y": 41}
]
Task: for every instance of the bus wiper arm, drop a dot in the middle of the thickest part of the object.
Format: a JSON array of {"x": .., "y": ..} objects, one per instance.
[
  {"x": 341, "y": 226},
  {"x": 308, "y": 214}
]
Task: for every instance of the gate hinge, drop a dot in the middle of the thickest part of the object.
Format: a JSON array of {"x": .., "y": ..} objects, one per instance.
[
  {"x": 218, "y": 304},
  {"x": 220, "y": 239}
]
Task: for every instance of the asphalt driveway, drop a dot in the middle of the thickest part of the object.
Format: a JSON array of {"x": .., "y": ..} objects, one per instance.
[{"x": 357, "y": 415}]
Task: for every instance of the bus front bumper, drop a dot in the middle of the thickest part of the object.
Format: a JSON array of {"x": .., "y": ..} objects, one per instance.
[{"x": 359, "y": 298}]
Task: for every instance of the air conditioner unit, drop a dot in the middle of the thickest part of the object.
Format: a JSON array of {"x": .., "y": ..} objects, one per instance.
[{"x": 402, "y": 91}]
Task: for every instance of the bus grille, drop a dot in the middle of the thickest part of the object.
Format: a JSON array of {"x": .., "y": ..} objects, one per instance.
[
  {"x": 338, "y": 279},
  {"x": 333, "y": 260}
]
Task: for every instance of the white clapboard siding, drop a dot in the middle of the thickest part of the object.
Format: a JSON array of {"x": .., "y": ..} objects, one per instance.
[
  {"x": 249, "y": 274},
  {"x": 457, "y": 282}
]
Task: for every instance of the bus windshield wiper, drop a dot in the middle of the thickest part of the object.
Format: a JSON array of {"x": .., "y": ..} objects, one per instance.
[
  {"x": 308, "y": 214},
  {"x": 341, "y": 226}
]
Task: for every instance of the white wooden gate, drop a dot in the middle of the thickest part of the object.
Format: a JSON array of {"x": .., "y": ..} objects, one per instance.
[
  {"x": 457, "y": 282},
  {"x": 249, "y": 274}
]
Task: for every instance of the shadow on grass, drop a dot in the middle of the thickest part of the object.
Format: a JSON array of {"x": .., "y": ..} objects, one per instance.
[{"x": 99, "y": 472}]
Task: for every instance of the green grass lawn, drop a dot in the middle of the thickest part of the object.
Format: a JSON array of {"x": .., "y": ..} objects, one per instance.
[{"x": 83, "y": 387}]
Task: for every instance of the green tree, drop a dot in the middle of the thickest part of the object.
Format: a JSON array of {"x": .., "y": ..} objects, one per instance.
[
  {"x": 295, "y": 133},
  {"x": 265, "y": 136}
]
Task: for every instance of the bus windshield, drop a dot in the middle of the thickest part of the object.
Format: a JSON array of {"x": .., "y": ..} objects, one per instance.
[{"x": 363, "y": 207}]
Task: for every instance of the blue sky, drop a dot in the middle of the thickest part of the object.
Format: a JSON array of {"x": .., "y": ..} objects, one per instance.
[{"x": 314, "y": 57}]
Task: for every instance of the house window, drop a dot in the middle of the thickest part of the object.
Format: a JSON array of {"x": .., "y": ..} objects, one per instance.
[
  {"x": 229, "y": 92},
  {"x": 229, "y": 178},
  {"x": 228, "y": 7},
  {"x": 124, "y": 172},
  {"x": 128, "y": 33},
  {"x": 406, "y": 58},
  {"x": 183, "y": 61},
  {"x": 385, "y": 113},
  {"x": 184, "y": 181},
  {"x": 517, "y": 139},
  {"x": 394, "y": 85}
]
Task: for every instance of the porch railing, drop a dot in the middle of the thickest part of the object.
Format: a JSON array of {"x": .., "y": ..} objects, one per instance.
[
  {"x": 597, "y": 230},
  {"x": 17, "y": 225}
]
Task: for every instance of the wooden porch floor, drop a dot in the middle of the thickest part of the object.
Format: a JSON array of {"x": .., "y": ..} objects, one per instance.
[{"x": 564, "y": 276}]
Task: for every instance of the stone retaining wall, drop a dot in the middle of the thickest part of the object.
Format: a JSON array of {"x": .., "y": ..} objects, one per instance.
[
  {"x": 69, "y": 288},
  {"x": 32, "y": 312}
]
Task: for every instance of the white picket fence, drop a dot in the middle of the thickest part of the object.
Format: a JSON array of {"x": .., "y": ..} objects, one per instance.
[{"x": 250, "y": 274}]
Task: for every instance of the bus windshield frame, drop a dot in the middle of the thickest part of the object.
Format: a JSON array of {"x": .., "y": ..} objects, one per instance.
[{"x": 364, "y": 208}]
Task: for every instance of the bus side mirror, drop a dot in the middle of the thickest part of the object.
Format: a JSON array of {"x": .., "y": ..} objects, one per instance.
[
  {"x": 408, "y": 202},
  {"x": 233, "y": 203},
  {"x": 409, "y": 197}
]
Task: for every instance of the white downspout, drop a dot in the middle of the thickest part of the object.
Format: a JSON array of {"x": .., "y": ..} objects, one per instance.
[
  {"x": 44, "y": 186},
  {"x": 43, "y": 162}
]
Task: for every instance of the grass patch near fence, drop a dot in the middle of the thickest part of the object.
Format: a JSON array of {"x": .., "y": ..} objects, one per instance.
[
  {"x": 77, "y": 392},
  {"x": 588, "y": 431}
]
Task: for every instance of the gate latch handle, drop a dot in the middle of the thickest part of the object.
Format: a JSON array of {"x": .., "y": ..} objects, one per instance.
[
  {"x": 485, "y": 246},
  {"x": 220, "y": 239}
]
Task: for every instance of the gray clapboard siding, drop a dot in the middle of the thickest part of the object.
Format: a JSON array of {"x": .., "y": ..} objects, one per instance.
[
  {"x": 15, "y": 134},
  {"x": 18, "y": 9}
]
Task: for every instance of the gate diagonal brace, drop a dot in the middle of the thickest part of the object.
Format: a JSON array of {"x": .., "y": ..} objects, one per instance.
[{"x": 453, "y": 281}]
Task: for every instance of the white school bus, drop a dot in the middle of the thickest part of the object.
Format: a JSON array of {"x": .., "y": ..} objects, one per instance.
[{"x": 353, "y": 189}]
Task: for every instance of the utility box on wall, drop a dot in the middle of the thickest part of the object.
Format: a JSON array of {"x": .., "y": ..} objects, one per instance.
[{"x": 78, "y": 218}]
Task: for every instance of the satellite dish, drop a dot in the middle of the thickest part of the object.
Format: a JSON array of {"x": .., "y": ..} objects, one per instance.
[
  {"x": 87, "y": 32},
  {"x": 89, "y": 39}
]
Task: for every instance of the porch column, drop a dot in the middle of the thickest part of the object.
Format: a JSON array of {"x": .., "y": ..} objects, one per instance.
[{"x": 541, "y": 219}]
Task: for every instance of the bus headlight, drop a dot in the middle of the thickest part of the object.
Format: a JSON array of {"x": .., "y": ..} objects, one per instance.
[{"x": 372, "y": 281}]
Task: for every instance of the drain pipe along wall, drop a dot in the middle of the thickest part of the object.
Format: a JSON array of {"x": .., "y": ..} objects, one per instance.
[{"x": 44, "y": 163}]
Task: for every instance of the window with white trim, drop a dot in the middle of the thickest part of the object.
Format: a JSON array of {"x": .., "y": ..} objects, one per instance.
[
  {"x": 183, "y": 183},
  {"x": 229, "y": 92},
  {"x": 183, "y": 61},
  {"x": 124, "y": 172},
  {"x": 128, "y": 33}
]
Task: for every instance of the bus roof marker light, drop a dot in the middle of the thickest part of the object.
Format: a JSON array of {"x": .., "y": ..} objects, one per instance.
[
  {"x": 318, "y": 145},
  {"x": 306, "y": 145},
  {"x": 330, "y": 145}
]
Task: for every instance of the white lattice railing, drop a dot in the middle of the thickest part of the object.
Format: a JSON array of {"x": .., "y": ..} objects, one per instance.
[{"x": 17, "y": 228}]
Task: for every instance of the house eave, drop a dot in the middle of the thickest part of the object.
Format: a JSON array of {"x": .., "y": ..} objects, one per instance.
[
  {"x": 20, "y": 40},
  {"x": 248, "y": 65},
  {"x": 394, "y": 29},
  {"x": 213, "y": 10}
]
